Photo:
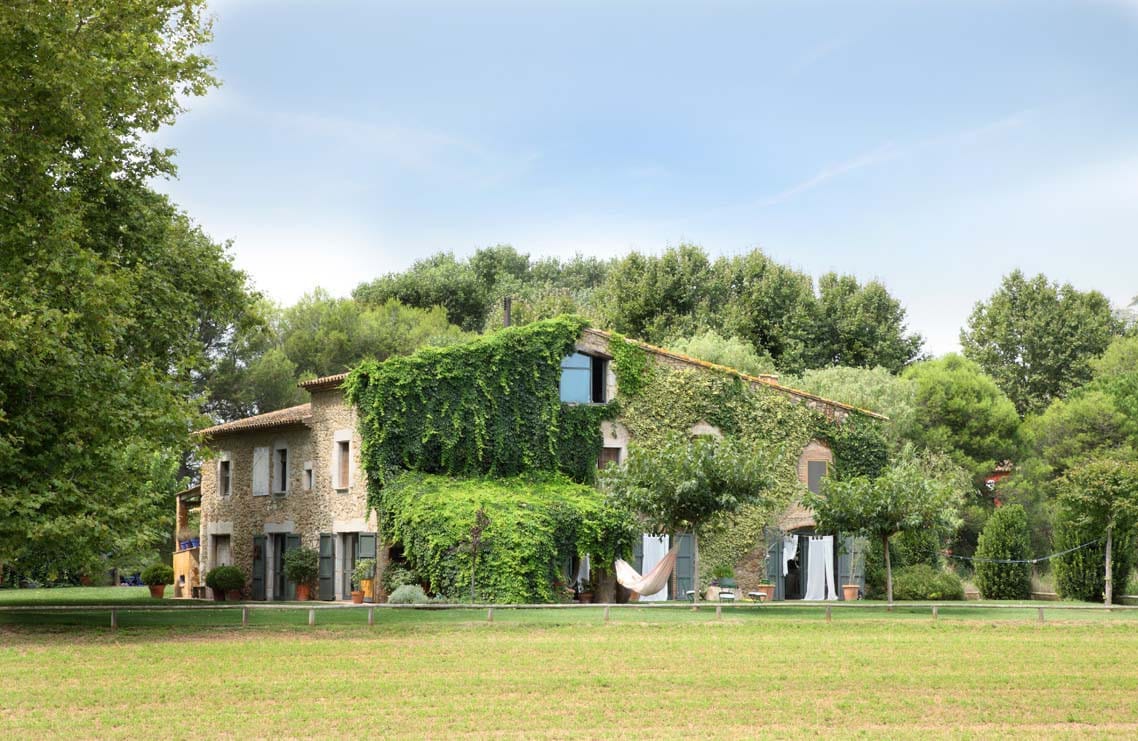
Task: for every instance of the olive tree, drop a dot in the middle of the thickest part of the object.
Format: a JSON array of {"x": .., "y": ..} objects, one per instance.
[
  {"x": 916, "y": 492},
  {"x": 683, "y": 484}
]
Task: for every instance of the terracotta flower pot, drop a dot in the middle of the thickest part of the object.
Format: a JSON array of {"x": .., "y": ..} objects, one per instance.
[
  {"x": 357, "y": 597},
  {"x": 586, "y": 597},
  {"x": 849, "y": 592},
  {"x": 302, "y": 592},
  {"x": 367, "y": 586},
  {"x": 233, "y": 595},
  {"x": 157, "y": 591},
  {"x": 767, "y": 591}
]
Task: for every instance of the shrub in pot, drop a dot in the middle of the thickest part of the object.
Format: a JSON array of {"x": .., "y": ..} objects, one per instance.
[
  {"x": 301, "y": 565},
  {"x": 222, "y": 579},
  {"x": 157, "y": 577},
  {"x": 363, "y": 572}
]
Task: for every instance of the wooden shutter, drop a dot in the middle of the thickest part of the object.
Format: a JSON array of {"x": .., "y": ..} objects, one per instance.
[
  {"x": 815, "y": 471},
  {"x": 327, "y": 567},
  {"x": 685, "y": 566},
  {"x": 638, "y": 555},
  {"x": 261, "y": 462},
  {"x": 344, "y": 451},
  {"x": 774, "y": 563},
  {"x": 259, "y": 567},
  {"x": 368, "y": 545}
]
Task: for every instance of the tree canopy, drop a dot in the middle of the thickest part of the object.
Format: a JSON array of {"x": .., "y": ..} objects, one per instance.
[
  {"x": 1037, "y": 339},
  {"x": 112, "y": 303}
]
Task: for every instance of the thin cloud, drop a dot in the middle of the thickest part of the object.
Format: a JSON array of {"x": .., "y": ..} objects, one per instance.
[{"x": 867, "y": 159}]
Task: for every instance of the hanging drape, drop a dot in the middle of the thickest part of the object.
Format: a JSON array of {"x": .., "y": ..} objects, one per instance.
[
  {"x": 789, "y": 552},
  {"x": 820, "y": 569}
]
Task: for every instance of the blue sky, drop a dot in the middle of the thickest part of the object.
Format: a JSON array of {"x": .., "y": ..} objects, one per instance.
[{"x": 934, "y": 146}]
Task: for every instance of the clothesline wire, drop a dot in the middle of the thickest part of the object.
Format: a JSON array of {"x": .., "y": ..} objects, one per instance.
[{"x": 1030, "y": 560}]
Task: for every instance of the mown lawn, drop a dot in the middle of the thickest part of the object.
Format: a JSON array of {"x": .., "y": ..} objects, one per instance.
[{"x": 647, "y": 673}]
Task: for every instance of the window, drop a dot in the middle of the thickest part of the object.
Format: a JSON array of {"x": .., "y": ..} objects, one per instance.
[
  {"x": 584, "y": 379},
  {"x": 224, "y": 478},
  {"x": 607, "y": 456},
  {"x": 280, "y": 470},
  {"x": 815, "y": 471},
  {"x": 343, "y": 461},
  {"x": 261, "y": 465},
  {"x": 222, "y": 556},
  {"x": 308, "y": 476}
]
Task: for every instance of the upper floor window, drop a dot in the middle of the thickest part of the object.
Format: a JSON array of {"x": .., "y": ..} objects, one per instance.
[
  {"x": 280, "y": 470},
  {"x": 815, "y": 472},
  {"x": 584, "y": 379},
  {"x": 224, "y": 478}
]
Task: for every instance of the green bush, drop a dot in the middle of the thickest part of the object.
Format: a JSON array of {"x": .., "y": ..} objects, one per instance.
[
  {"x": 907, "y": 549},
  {"x": 225, "y": 578},
  {"x": 301, "y": 565},
  {"x": 396, "y": 575},
  {"x": 409, "y": 594},
  {"x": 159, "y": 573},
  {"x": 1081, "y": 574},
  {"x": 924, "y": 582},
  {"x": 1005, "y": 536}
]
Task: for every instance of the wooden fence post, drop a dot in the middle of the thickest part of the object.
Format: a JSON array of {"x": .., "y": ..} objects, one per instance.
[
  {"x": 606, "y": 613},
  {"x": 934, "y": 612},
  {"x": 244, "y": 617},
  {"x": 311, "y": 617},
  {"x": 114, "y": 618},
  {"x": 489, "y": 614},
  {"x": 371, "y": 616},
  {"x": 1040, "y": 616},
  {"x": 829, "y": 617}
]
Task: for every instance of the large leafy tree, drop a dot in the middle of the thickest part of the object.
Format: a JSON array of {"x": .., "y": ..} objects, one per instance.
[
  {"x": 917, "y": 492},
  {"x": 683, "y": 485},
  {"x": 861, "y": 326},
  {"x": 961, "y": 411},
  {"x": 1037, "y": 339},
  {"x": 112, "y": 304},
  {"x": 875, "y": 389}
]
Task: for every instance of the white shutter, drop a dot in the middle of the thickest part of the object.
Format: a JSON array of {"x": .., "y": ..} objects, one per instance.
[{"x": 261, "y": 461}]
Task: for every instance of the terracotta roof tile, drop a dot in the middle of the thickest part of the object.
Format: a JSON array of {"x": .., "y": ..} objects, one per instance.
[
  {"x": 296, "y": 415},
  {"x": 323, "y": 383}
]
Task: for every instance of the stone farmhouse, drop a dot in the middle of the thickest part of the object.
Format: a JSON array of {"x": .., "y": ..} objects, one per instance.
[{"x": 293, "y": 478}]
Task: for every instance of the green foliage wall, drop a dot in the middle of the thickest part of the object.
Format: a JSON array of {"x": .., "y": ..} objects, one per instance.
[
  {"x": 1005, "y": 537},
  {"x": 487, "y": 407},
  {"x": 666, "y": 400},
  {"x": 536, "y": 522}
]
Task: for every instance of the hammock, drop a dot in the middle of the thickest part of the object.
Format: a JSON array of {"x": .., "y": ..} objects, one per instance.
[{"x": 651, "y": 582}]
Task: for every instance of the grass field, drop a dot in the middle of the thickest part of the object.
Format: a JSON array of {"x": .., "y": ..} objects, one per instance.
[{"x": 663, "y": 673}]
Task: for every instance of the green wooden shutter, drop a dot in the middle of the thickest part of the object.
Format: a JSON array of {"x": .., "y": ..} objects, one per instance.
[
  {"x": 685, "y": 566},
  {"x": 368, "y": 545},
  {"x": 259, "y": 567},
  {"x": 775, "y": 563},
  {"x": 292, "y": 542},
  {"x": 327, "y": 567},
  {"x": 638, "y": 554}
]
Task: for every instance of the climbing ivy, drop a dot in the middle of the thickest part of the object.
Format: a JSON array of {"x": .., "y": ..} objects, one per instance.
[
  {"x": 536, "y": 523},
  {"x": 631, "y": 365},
  {"x": 487, "y": 407}
]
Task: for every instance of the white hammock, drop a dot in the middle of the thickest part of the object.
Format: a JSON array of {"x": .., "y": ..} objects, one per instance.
[{"x": 651, "y": 582}]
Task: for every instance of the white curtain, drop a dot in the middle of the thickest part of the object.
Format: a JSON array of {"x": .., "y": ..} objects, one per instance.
[
  {"x": 655, "y": 548},
  {"x": 820, "y": 569},
  {"x": 789, "y": 552}
]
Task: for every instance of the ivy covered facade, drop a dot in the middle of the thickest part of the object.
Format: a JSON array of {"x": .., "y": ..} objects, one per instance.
[{"x": 399, "y": 459}]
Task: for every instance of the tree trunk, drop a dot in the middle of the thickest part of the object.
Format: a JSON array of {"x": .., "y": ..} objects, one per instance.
[
  {"x": 1108, "y": 565},
  {"x": 695, "y": 569},
  {"x": 888, "y": 572}
]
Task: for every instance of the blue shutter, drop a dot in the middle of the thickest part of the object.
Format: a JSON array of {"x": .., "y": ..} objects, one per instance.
[
  {"x": 259, "y": 567},
  {"x": 327, "y": 567},
  {"x": 685, "y": 566}
]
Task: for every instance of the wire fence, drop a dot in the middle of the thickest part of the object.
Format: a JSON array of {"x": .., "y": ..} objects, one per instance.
[{"x": 266, "y": 614}]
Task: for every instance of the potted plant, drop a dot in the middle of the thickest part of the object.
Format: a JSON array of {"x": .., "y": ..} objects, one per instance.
[
  {"x": 363, "y": 578},
  {"x": 850, "y": 589},
  {"x": 301, "y": 565},
  {"x": 363, "y": 572},
  {"x": 586, "y": 591},
  {"x": 225, "y": 580},
  {"x": 157, "y": 577}
]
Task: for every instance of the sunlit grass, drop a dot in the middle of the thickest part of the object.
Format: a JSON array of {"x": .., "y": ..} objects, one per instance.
[{"x": 646, "y": 673}]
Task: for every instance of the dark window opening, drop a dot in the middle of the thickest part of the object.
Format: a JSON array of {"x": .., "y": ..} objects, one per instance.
[
  {"x": 599, "y": 380},
  {"x": 223, "y": 478},
  {"x": 282, "y": 469}
]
